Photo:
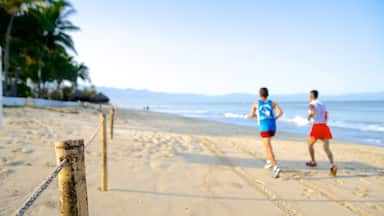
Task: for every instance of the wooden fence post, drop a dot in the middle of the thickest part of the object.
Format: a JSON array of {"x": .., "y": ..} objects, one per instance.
[
  {"x": 72, "y": 180},
  {"x": 104, "y": 174},
  {"x": 111, "y": 119}
]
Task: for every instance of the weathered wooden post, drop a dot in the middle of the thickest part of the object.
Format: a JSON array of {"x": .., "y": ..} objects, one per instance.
[
  {"x": 111, "y": 119},
  {"x": 104, "y": 174},
  {"x": 72, "y": 180}
]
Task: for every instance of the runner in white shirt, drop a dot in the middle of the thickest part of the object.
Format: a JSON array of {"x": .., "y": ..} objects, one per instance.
[{"x": 320, "y": 130}]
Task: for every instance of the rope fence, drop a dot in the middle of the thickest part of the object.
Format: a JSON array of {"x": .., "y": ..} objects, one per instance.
[
  {"x": 63, "y": 150},
  {"x": 40, "y": 189},
  {"x": 92, "y": 138}
]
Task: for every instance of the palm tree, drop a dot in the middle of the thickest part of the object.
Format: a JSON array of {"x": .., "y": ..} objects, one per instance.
[
  {"x": 54, "y": 32},
  {"x": 13, "y": 8},
  {"x": 82, "y": 72},
  {"x": 42, "y": 49}
]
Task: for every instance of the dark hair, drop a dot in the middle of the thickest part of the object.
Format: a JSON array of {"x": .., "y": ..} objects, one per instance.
[
  {"x": 264, "y": 92},
  {"x": 315, "y": 93}
]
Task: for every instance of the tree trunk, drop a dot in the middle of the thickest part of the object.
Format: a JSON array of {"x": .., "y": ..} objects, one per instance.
[
  {"x": 6, "y": 54},
  {"x": 75, "y": 84},
  {"x": 39, "y": 71},
  {"x": 15, "y": 80}
]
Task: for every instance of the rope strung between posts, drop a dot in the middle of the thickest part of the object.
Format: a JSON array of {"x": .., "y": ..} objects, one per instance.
[
  {"x": 44, "y": 185},
  {"x": 40, "y": 189},
  {"x": 93, "y": 136}
]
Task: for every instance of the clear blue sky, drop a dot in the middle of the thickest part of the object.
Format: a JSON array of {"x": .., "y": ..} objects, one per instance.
[{"x": 216, "y": 47}]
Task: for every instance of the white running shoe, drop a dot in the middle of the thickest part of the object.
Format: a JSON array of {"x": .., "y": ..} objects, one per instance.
[
  {"x": 276, "y": 172},
  {"x": 268, "y": 164}
]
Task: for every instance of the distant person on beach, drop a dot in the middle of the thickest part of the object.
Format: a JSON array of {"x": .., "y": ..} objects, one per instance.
[
  {"x": 320, "y": 130},
  {"x": 264, "y": 110}
]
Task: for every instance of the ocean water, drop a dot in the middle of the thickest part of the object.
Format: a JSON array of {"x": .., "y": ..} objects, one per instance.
[{"x": 352, "y": 121}]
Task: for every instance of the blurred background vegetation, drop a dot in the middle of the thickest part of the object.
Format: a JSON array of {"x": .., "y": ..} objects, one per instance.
[{"x": 38, "y": 52}]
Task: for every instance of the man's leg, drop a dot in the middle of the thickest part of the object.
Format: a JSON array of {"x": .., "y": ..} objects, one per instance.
[
  {"x": 311, "y": 142},
  {"x": 327, "y": 150},
  {"x": 269, "y": 150}
]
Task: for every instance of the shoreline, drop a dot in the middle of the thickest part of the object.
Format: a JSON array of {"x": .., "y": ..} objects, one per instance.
[{"x": 280, "y": 134}]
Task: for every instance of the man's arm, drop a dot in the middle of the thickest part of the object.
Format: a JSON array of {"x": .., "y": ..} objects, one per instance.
[
  {"x": 278, "y": 110},
  {"x": 312, "y": 112},
  {"x": 252, "y": 113}
]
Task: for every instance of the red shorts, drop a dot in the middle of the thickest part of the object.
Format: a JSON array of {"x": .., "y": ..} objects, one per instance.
[
  {"x": 266, "y": 134},
  {"x": 321, "y": 131}
]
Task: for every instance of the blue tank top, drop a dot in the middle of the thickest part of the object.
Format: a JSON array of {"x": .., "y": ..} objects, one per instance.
[{"x": 266, "y": 116}]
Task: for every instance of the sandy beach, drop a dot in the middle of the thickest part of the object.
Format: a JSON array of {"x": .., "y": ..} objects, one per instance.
[{"x": 161, "y": 164}]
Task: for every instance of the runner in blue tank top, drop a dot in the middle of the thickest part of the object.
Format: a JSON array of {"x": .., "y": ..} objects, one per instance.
[
  {"x": 267, "y": 112},
  {"x": 266, "y": 117}
]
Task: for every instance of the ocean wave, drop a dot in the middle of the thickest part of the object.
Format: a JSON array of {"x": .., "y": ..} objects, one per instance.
[
  {"x": 297, "y": 120},
  {"x": 374, "y": 141},
  {"x": 235, "y": 115},
  {"x": 358, "y": 126},
  {"x": 364, "y": 127},
  {"x": 183, "y": 111}
]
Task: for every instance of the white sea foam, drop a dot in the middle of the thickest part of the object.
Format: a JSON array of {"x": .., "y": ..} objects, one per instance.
[
  {"x": 374, "y": 141},
  {"x": 358, "y": 126},
  {"x": 235, "y": 115},
  {"x": 297, "y": 120},
  {"x": 364, "y": 127}
]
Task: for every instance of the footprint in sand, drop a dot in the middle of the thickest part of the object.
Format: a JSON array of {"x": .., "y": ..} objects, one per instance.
[
  {"x": 373, "y": 206},
  {"x": 16, "y": 150},
  {"x": 5, "y": 172},
  {"x": 308, "y": 193},
  {"x": 50, "y": 204},
  {"x": 172, "y": 153},
  {"x": 360, "y": 191},
  {"x": 285, "y": 178},
  {"x": 296, "y": 177},
  {"x": 26, "y": 150},
  {"x": 156, "y": 164},
  {"x": 236, "y": 185},
  {"x": 3, "y": 161},
  {"x": 50, "y": 164},
  {"x": 180, "y": 147},
  {"x": 339, "y": 181},
  {"x": 310, "y": 173},
  {"x": 15, "y": 163}
]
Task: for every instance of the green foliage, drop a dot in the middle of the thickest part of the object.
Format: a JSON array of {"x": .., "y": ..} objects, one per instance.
[
  {"x": 23, "y": 90},
  {"x": 90, "y": 91},
  {"x": 41, "y": 49}
]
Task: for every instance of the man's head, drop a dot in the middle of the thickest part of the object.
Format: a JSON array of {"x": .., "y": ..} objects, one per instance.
[
  {"x": 313, "y": 95},
  {"x": 263, "y": 92}
]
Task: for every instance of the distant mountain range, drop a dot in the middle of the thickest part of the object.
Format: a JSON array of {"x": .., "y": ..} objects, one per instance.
[{"x": 143, "y": 97}]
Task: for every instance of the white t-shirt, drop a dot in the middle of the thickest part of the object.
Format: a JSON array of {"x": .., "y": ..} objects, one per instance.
[{"x": 321, "y": 116}]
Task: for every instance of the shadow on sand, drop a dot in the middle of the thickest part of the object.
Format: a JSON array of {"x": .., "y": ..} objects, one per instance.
[
  {"x": 289, "y": 167},
  {"x": 364, "y": 170},
  {"x": 232, "y": 198}
]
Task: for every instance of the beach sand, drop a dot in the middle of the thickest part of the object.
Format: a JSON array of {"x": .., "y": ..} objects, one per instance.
[{"x": 160, "y": 164}]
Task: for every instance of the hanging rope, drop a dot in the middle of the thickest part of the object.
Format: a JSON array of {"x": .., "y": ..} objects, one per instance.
[
  {"x": 40, "y": 189},
  {"x": 44, "y": 185}
]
